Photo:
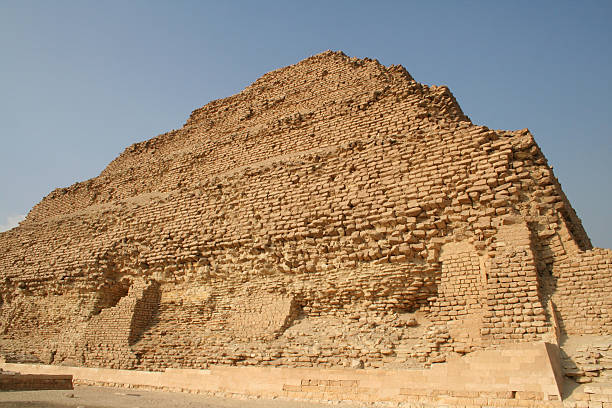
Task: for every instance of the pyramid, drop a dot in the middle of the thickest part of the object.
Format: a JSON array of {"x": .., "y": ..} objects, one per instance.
[{"x": 335, "y": 213}]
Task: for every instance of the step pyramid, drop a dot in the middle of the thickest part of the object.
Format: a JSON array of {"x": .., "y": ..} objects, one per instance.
[{"x": 334, "y": 213}]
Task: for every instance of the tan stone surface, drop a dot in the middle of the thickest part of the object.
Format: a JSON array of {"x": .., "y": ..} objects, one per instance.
[
  {"x": 335, "y": 213},
  {"x": 507, "y": 375}
]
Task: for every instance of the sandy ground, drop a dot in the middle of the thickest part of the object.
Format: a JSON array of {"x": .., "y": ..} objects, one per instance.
[{"x": 102, "y": 397}]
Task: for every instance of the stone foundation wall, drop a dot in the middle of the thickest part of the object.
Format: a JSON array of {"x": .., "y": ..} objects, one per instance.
[
  {"x": 520, "y": 375},
  {"x": 32, "y": 382}
]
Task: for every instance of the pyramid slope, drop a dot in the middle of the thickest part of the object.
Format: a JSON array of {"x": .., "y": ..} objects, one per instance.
[
  {"x": 275, "y": 116},
  {"x": 335, "y": 209}
]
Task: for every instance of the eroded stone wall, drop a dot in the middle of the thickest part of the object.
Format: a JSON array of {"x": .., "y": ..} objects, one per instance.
[
  {"x": 334, "y": 213},
  {"x": 582, "y": 296}
]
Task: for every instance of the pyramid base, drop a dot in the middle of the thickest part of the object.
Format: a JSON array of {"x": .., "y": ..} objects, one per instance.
[{"x": 506, "y": 376}]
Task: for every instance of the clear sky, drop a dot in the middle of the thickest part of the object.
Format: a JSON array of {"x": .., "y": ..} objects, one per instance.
[{"x": 82, "y": 80}]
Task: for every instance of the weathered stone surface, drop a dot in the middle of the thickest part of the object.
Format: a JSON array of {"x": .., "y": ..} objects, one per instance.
[{"x": 334, "y": 211}]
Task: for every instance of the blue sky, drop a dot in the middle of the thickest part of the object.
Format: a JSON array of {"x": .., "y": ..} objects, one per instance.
[{"x": 82, "y": 80}]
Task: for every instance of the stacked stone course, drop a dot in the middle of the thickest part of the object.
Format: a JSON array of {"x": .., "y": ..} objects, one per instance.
[
  {"x": 333, "y": 211},
  {"x": 582, "y": 293},
  {"x": 12, "y": 381}
]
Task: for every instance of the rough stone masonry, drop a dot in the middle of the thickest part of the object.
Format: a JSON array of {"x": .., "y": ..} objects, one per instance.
[{"x": 335, "y": 213}]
